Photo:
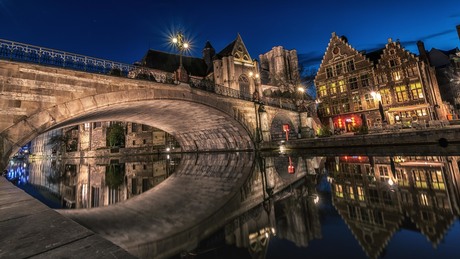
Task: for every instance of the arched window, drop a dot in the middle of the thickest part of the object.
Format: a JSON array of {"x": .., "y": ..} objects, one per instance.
[{"x": 243, "y": 82}]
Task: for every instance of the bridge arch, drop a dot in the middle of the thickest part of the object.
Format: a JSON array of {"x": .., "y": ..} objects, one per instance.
[{"x": 276, "y": 126}]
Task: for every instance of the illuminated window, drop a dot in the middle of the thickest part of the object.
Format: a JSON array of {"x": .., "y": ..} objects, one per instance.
[
  {"x": 351, "y": 193},
  {"x": 384, "y": 174},
  {"x": 423, "y": 200},
  {"x": 370, "y": 103},
  {"x": 353, "y": 83},
  {"x": 419, "y": 178},
  {"x": 357, "y": 105},
  {"x": 333, "y": 88},
  {"x": 360, "y": 193},
  {"x": 396, "y": 75},
  {"x": 338, "y": 190},
  {"x": 416, "y": 91},
  {"x": 437, "y": 180},
  {"x": 401, "y": 93},
  {"x": 342, "y": 87},
  {"x": 403, "y": 179},
  {"x": 385, "y": 95},
  {"x": 87, "y": 126},
  {"x": 322, "y": 91}
]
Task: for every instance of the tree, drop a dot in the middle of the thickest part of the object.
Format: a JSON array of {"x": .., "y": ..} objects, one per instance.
[{"x": 116, "y": 135}]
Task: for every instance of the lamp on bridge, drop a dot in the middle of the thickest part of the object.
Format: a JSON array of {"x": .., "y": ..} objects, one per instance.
[
  {"x": 256, "y": 98},
  {"x": 182, "y": 45}
]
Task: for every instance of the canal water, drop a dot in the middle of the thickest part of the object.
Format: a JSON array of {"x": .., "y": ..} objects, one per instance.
[{"x": 350, "y": 206}]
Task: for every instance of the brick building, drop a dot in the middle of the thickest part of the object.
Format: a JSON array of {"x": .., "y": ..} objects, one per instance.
[{"x": 389, "y": 85}]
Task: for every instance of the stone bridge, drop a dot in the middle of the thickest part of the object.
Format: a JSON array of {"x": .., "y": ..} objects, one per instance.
[{"x": 36, "y": 98}]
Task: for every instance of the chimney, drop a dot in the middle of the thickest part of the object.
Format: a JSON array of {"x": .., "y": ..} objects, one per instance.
[{"x": 422, "y": 51}]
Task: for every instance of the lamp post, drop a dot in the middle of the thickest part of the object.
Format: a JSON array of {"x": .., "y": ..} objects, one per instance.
[
  {"x": 257, "y": 100},
  {"x": 300, "y": 108},
  {"x": 182, "y": 45},
  {"x": 377, "y": 96}
]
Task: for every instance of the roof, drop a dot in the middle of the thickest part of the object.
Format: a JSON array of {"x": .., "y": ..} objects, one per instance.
[
  {"x": 227, "y": 51},
  {"x": 170, "y": 62},
  {"x": 375, "y": 55},
  {"x": 208, "y": 45}
]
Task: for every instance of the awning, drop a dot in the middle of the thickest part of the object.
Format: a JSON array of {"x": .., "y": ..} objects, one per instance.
[{"x": 409, "y": 107}]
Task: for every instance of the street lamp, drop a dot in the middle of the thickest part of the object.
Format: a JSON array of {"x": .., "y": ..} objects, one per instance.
[
  {"x": 182, "y": 45},
  {"x": 377, "y": 96},
  {"x": 300, "y": 109},
  {"x": 256, "y": 98}
]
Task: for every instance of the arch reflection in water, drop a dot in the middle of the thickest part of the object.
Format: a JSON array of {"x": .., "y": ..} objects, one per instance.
[{"x": 90, "y": 183}]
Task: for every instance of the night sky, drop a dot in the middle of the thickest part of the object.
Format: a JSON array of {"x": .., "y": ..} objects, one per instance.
[{"x": 124, "y": 30}]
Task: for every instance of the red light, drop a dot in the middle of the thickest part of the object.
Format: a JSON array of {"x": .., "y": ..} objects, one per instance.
[{"x": 291, "y": 168}]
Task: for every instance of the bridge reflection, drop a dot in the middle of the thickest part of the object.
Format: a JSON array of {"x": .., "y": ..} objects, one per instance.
[{"x": 235, "y": 199}]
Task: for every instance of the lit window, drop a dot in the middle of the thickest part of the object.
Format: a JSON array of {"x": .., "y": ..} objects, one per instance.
[
  {"x": 396, "y": 75},
  {"x": 342, "y": 87},
  {"x": 333, "y": 88},
  {"x": 416, "y": 91},
  {"x": 370, "y": 103},
  {"x": 360, "y": 193},
  {"x": 401, "y": 93},
  {"x": 357, "y": 105},
  {"x": 338, "y": 190},
  {"x": 351, "y": 192},
  {"x": 322, "y": 91}
]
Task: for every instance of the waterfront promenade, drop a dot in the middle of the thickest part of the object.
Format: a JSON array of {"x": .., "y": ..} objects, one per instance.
[{"x": 30, "y": 229}]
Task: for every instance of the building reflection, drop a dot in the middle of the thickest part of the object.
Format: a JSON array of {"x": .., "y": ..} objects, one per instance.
[
  {"x": 286, "y": 208},
  {"x": 378, "y": 196},
  {"x": 90, "y": 183}
]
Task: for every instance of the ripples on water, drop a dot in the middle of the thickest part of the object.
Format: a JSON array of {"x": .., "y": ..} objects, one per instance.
[{"x": 334, "y": 206}]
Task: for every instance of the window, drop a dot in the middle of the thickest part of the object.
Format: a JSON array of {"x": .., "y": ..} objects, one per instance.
[
  {"x": 416, "y": 91},
  {"x": 87, "y": 126},
  {"x": 144, "y": 141},
  {"x": 333, "y": 88},
  {"x": 329, "y": 73},
  {"x": 437, "y": 180},
  {"x": 335, "y": 106},
  {"x": 353, "y": 82},
  {"x": 370, "y": 103},
  {"x": 351, "y": 193},
  {"x": 345, "y": 105},
  {"x": 338, "y": 190},
  {"x": 384, "y": 174},
  {"x": 382, "y": 78},
  {"x": 403, "y": 179},
  {"x": 401, "y": 93},
  {"x": 342, "y": 87},
  {"x": 97, "y": 125},
  {"x": 352, "y": 212},
  {"x": 134, "y": 127},
  {"x": 385, "y": 95},
  {"x": 357, "y": 105},
  {"x": 396, "y": 75},
  {"x": 365, "y": 80},
  {"x": 338, "y": 69},
  {"x": 145, "y": 127},
  {"x": 134, "y": 142},
  {"x": 419, "y": 178},
  {"x": 350, "y": 65},
  {"x": 412, "y": 71},
  {"x": 360, "y": 193},
  {"x": 322, "y": 91},
  {"x": 393, "y": 62}
]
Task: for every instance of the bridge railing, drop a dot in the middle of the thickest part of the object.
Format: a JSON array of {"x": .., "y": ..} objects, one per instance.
[{"x": 17, "y": 51}]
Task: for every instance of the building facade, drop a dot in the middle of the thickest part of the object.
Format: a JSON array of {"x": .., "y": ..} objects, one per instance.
[{"x": 389, "y": 85}]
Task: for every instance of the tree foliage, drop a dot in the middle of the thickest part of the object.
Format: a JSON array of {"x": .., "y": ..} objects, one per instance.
[{"x": 116, "y": 135}]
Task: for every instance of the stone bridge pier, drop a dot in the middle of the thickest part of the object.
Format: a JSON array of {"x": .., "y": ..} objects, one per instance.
[{"x": 36, "y": 98}]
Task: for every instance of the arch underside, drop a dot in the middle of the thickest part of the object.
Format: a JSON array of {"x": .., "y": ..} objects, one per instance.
[{"x": 195, "y": 126}]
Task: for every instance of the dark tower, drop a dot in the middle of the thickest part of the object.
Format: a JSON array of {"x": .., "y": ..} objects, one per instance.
[
  {"x": 208, "y": 54},
  {"x": 422, "y": 51}
]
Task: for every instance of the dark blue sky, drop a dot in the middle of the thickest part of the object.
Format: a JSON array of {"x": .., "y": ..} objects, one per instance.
[{"x": 124, "y": 30}]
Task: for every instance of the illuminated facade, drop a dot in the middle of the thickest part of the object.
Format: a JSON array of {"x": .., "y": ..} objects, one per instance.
[{"x": 387, "y": 85}]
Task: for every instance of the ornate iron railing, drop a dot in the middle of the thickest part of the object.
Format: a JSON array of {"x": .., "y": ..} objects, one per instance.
[{"x": 16, "y": 51}]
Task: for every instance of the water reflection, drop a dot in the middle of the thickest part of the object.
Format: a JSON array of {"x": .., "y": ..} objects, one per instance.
[
  {"x": 90, "y": 183},
  {"x": 349, "y": 206}
]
